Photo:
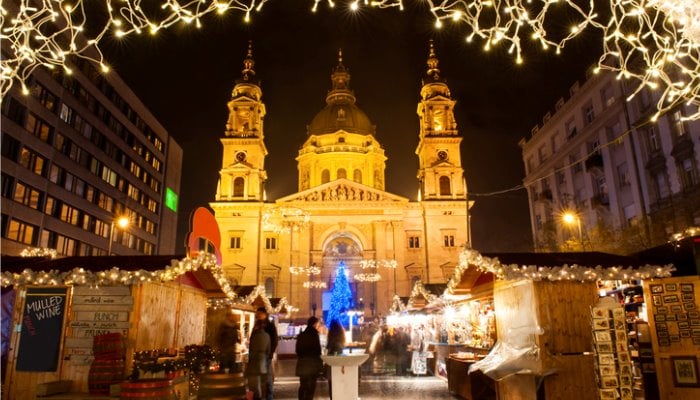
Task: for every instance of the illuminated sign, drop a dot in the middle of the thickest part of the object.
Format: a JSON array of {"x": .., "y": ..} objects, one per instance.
[{"x": 171, "y": 199}]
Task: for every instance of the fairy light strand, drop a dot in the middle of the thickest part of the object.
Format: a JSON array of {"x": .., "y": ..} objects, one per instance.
[
  {"x": 116, "y": 276},
  {"x": 564, "y": 272},
  {"x": 655, "y": 43}
]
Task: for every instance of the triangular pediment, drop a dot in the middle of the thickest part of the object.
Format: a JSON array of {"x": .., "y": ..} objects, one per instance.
[{"x": 343, "y": 190}]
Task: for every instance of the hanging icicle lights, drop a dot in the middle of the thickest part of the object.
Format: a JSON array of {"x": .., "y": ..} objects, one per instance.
[{"x": 655, "y": 43}]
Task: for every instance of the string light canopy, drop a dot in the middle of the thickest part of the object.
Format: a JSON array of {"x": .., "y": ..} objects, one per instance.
[
  {"x": 367, "y": 277},
  {"x": 315, "y": 285},
  {"x": 366, "y": 264},
  {"x": 654, "y": 43},
  {"x": 285, "y": 219},
  {"x": 305, "y": 270},
  {"x": 558, "y": 273}
]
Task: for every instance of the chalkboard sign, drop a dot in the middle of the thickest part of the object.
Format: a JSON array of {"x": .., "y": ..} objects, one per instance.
[{"x": 42, "y": 328}]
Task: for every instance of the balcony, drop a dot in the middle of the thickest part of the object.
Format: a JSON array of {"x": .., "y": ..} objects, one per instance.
[
  {"x": 544, "y": 196},
  {"x": 600, "y": 200},
  {"x": 683, "y": 148},
  {"x": 594, "y": 161}
]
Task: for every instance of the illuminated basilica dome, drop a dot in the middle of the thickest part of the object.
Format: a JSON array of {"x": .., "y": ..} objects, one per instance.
[{"x": 340, "y": 112}]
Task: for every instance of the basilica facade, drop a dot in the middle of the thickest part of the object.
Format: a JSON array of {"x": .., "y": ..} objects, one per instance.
[{"x": 341, "y": 212}]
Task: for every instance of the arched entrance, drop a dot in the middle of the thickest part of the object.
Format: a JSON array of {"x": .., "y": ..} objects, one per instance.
[{"x": 347, "y": 248}]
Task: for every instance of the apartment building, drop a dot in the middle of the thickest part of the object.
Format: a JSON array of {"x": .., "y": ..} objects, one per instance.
[
  {"x": 621, "y": 181},
  {"x": 78, "y": 152}
]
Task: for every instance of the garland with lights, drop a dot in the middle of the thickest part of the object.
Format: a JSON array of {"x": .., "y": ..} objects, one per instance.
[
  {"x": 116, "y": 276},
  {"x": 654, "y": 42},
  {"x": 420, "y": 290},
  {"x": 397, "y": 306},
  {"x": 259, "y": 291},
  {"x": 38, "y": 252},
  {"x": 559, "y": 273}
]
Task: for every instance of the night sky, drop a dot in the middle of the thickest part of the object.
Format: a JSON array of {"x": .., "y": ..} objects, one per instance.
[{"x": 185, "y": 77}]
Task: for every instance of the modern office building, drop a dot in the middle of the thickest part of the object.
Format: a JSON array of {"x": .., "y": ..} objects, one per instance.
[
  {"x": 602, "y": 176},
  {"x": 341, "y": 212},
  {"x": 80, "y": 151}
]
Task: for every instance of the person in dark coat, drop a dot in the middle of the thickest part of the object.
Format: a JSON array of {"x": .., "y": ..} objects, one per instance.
[
  {"x": 334, "y": 346},
  {"x": 402, "y": 355},
  {"x": 309, "y": 363},
  {"x": 271, "y": 330},
  {"x": 226, "y": 339},
  {"x": 258, "y": 355}
]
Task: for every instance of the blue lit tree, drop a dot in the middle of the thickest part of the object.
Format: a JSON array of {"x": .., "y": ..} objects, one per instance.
[{"x": 341, "y": 298}]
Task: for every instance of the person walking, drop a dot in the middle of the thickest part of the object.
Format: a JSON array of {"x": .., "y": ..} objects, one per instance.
[
  {"x": 258, "y": 365},
  {"x": 419, "y": 363},
  {"x": 403, "y": 341},
  {"x": 309, "y": 363},
  {"x": 334, "y": 346},
  {"x": 271, "y": 330},
  {"x": 226, "y": 340}
]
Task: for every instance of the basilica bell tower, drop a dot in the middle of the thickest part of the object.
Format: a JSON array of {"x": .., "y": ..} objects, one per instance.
[
  {"x": 440, "y": 172},
  {"x": 242, "y": 175}
]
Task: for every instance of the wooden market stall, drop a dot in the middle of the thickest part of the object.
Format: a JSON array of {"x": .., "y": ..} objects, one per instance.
[
  {"x": 545, "y": 326},
  {"x": 471, "y": 331},
  {"x": 60, "y": 305}
]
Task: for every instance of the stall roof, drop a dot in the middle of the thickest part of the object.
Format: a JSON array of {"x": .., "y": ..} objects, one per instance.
[
  {"x": 203, "y": 278},
  {"x": 592, "y": 258}
]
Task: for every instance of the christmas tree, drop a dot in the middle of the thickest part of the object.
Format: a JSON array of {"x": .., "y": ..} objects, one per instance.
[{"x": 341, "y": 298}]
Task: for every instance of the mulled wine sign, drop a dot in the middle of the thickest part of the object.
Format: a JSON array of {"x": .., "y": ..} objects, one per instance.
[{"x": 42, "y": 329}]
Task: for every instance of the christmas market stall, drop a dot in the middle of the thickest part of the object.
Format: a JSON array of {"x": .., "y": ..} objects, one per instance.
[
  {"x": 79, "y": 322},
  {"x": 555, "y": 335},
  {"x": 470, "y": 329}
]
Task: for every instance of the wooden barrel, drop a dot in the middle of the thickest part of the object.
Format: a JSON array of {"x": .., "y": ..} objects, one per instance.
[
  {"x": 153, "y": 389},
  {"x": 103, "y": 373},
  {"x": 222, "y": 386},
  {"x": 108, "y": 345}
]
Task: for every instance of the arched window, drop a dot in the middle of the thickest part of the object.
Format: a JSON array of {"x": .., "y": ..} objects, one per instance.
[
  {"x": 269, "y": 287},
  {"x": 238, "y": 185},
  {"x": 445, "y": 186},
  {"x": 357, "y": 176},
  {"x": 325, "y": 176},
  {"x": 342, "y": 174}
]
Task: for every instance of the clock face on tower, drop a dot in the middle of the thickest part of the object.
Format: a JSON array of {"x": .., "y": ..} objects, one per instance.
[
  {"x": 240, "y": 156},
  {"x": 442, "y": 155}
]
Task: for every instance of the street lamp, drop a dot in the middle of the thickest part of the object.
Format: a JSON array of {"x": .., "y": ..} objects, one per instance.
[
  {"x": 571, "y": 218},
  {"x": 122, "y": 223}
]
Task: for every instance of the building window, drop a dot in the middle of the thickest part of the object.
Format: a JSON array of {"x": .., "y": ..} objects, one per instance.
[
  {"x": 623, "y": 175},
  {"x": 357, "y": 176},
  {"x": 342, "y": 174},
  {"x": 413, "y": 242},
  {"x": 570, "y": 128},
  {"x": 688, "y": 173},
  {"x": 588, "y": 113},
  {"x": 449, "y": 240},
  {"x": 561, "y": 178},
  {"x": 630, "y": 213},
  {"x": 653, "y": 140},
  {"x": 19, "y": 231},
  {"x": 679, "y": 127},
  {"x": 530, "y": 165},
  {"x": 613, "y": 133},
  {"x": 270, "y": 243},
  {"x": 235, "y": 242},
  {"x": 445, "y": 186},
  {"x": 555, "y": 143},
  {"x": 325, "y": 176},
  {"x": 542, "y": 153},
  {"x": 662, "y": 190},
  {"x": 575, "y": 164},
  {"x": 238, "y": 184},
  {"x": 538, "y": 222},
  {"x": 269, "y": 287},
  {"x": 607, "y": 95}
]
